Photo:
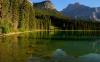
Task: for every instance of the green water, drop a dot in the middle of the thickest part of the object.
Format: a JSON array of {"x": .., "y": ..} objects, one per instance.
[{"x": 40, "y": 46}]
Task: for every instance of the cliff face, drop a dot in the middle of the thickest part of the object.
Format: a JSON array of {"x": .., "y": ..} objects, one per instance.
[
  {"x": 81, "y": 11},
  {"x": 44, "y": 5}
]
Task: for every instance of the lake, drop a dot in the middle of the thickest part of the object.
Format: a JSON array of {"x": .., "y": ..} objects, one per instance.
[{"x": 51, "y": 46}]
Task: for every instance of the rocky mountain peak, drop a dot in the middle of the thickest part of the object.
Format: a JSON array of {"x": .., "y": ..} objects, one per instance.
[
  {"x": 76, "y": 4},
  {"x": 78, "y": 10},
  {"x": 47, "y": 4}
]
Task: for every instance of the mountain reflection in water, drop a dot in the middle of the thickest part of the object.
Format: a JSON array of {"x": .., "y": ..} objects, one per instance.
[{"x": 50, "y": 46}]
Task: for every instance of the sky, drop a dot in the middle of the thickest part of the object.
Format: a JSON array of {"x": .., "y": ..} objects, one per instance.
[{"x": 61, "y": 4}]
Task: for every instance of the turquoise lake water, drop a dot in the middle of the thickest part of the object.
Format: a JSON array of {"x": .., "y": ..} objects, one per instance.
[{"x": 54, "y": 46}]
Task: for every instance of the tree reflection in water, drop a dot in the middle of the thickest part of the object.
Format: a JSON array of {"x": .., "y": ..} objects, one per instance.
[{"x": 50, "y": 46}]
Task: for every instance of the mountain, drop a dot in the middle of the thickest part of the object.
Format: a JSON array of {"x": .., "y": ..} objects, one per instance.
[
  {"x": 21, "y": 15},
  {"x": 77, "y": 10},
  {"x": 47, "y": 4}
]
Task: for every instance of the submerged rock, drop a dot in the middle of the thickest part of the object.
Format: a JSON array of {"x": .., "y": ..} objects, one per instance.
[
  {"x": 90, "y": 58},
  {"x": 59, "y": 53},
  {"x": 60, "y": 56}
]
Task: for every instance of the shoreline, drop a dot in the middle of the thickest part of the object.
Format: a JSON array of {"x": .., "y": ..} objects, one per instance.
[{"x": 13, "y": 33}]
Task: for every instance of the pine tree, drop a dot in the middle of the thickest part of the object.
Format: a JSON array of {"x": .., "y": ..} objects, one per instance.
[
  {"x": 24, "y": 15},
  {"x": 0, "y": 16}
]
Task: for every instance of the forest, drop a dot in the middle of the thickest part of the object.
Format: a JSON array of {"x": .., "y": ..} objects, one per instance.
[{"x": 21, "y": 15}]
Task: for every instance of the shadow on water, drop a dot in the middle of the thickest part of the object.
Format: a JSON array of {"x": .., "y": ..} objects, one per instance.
[{"x": 50, "y": 47}]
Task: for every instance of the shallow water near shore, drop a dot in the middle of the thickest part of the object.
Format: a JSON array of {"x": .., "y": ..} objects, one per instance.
[{"x": 49, "y": 46}]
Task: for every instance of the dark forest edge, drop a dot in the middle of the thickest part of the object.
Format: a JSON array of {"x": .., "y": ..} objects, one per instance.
[{"x": 21, "y": 16}]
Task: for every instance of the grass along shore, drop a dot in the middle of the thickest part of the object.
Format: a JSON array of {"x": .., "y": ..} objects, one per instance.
[{"x": 13, "y": 33}]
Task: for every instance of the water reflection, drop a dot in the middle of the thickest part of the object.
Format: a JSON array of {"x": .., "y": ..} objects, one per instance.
[
  {"x": 49, "y": 46},
  {"x": 10, "y": 50}
]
